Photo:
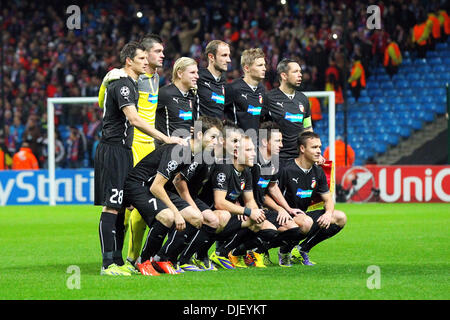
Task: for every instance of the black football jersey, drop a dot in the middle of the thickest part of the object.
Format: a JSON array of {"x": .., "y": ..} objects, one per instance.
[
  {"x": 226, "y": 178},
  {"x": 211, "y": 94},
  {"x": 166, "y": 160},
  {"x": 290, "y": 116},
  {"x": 196, "y": 175},
  {"x": 116, "y": 128},
  {"x": 298, "y": 187},
  {"x": 244, "y": 106},
  {"x": 263, "y": 173},
  {"x": 175, "y": 111}
]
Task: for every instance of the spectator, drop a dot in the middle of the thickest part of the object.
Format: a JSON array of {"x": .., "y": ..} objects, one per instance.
[
  {"x": 392, "y": 58},
  {"x": 25, "y": 159},
  {"x": 357, "y": 78},
  {"x": 339, "y": 149},
  {"x": 75, "y": 149},
  {"x": 5, "y": 157}
]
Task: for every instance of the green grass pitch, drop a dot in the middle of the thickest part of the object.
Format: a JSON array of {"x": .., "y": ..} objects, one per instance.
[{"x": 407, "y": 243}]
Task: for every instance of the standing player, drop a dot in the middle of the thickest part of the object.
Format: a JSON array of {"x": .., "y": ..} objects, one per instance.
[
  {"x": 148, "y": 85},
  {"x": 146, "y": 190},
  {"x": 211, "y": 82},
  {"x": 177, "y": 100},
  {"x": 113, "y": 157},
  {"x": 300, "y": 180},
  {"x": 289, "y": 107},
  {"x": 245, "y": 96}
]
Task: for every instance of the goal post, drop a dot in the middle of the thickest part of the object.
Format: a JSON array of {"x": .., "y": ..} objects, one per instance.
[
  {"x": 80, "y": 100},
  {"x": 51, "y": 139}
]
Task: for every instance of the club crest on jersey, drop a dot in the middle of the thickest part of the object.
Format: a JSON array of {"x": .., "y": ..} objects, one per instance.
[
  {"x": 301, "y": 107},
  {"x": 260, "y": 99},
  {"x": 242, "y": 185},
  {"x": 313, "y": 183}
]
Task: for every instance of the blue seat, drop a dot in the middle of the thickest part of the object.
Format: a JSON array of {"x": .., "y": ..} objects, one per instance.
[
  {"x": 423, "y": 69},
  {"x": 406, "y": 92},
  {"x": 387, "y": 84},
  {"x": 426, "y": 116},
  {"x": 364, "y": 100},
  {"x": 439, "y": 108},
  {"x": 380, "y": 147},
  {"x": 413, "y": 76},
  {"x": 376, "y": 93},
  {"x": 385, "y": 108},
  {"x": 435, "y": 60},
  {"x": 439, "y": 68},
  {"x": 401, "y": 84}
]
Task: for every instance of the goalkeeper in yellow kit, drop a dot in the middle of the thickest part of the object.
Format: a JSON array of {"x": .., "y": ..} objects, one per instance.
[{"x": 148, "y": 86}]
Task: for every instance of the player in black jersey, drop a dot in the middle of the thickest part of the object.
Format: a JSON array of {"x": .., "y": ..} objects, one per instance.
[
  {"x": 113, "y": 157},
  {"x": 300, "y": 180},
  {"x": 265, "y": 189},
  {"x": 211, "y": 82},
  {"x": 244, "y": 97},
  {"x": 178, "y": 100},
  {"x": 148, "y": 189},
  {"x": 289, "y": 107}
]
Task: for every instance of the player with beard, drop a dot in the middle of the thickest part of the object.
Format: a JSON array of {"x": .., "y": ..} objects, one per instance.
[{"x": 211, "y": 82}]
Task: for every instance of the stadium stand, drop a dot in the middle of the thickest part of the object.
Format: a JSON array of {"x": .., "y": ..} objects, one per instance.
[{"x": 42, "y": 58}]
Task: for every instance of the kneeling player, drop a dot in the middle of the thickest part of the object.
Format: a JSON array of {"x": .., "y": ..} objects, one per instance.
[
  {"x": 160, "y": 208},
  {"x": 299, "y": 180}
]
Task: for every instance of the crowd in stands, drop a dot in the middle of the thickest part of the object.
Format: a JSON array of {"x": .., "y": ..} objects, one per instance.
[{"x": 43, "y": 58}]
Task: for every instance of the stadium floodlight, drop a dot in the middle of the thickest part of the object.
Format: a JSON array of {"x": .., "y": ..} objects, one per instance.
[
  {"x": 80, "y": 100},
  {"x": 51, "y": 139}
]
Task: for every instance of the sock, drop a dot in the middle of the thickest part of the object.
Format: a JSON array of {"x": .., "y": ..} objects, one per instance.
[
  {"x": 201, "y": 237},
  {"x": 120, "y": 236},
  {"x": 203, "y": 251},
  {"x": 107, "y": 232},
  {"x": 321, "y": 235},
  {"x": 155, "y": 238},
  {"x": 259, "y": 243},
  {"x": 175, "y": 243},
  {"x": 290, "y": 239},
  {"x": 239, "y": 237}
]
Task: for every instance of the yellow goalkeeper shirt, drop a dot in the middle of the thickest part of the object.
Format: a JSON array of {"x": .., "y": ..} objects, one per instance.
[{"x": 148, "y": 87}]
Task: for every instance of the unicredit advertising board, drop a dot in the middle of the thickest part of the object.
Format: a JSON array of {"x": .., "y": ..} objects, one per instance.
[
  {"x": 394, "y": 183},
  {"x": 32, "y": 187}
]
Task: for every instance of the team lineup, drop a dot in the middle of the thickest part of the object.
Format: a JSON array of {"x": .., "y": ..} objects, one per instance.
[{"x": 201, "y": 162}]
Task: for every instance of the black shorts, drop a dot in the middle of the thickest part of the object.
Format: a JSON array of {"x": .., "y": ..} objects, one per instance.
[
  {"x": 111, "y": 166},
  {"x": 271, "y": 216},
  {"x": 315, "y": 214},
  {"x": 202, "y": 206},
  {"x": 139, "y": 196}
]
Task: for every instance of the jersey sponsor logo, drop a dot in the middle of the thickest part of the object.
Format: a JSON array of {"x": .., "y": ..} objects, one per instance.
[
  {"x": 263, "y": 183},
  {"x": 303, "y": 193},
  {"x": 218, "y": 98},
  {"x": 255, "y": 111},
  {"x": 292, "y": 117},
  {"x": 233, "y": 195},
  {"x": 152, "y": 98},
  {"x": 185, "y": 115}
]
